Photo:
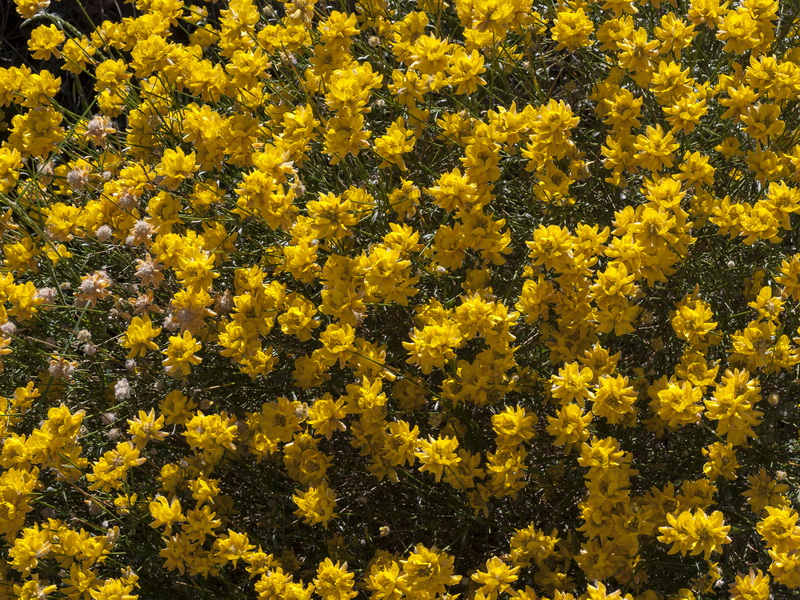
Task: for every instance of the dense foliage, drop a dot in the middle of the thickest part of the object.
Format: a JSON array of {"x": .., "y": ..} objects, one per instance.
[{"x": 393, "y": 299}]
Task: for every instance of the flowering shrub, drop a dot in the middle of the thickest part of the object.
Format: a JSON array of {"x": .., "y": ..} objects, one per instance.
[{"x": 383, "y": 299}]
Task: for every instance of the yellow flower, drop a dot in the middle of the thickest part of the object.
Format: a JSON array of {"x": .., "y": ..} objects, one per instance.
[
  {"x": 602, "y": 455},
  {"x": 763, "y": 491},
  {"x": 437, "y": 454},
  {"x": 429, "y": 571},
  {"x": 636, "y": 54},
  {"x": 433, "y": 345},
  {"x": 298, "y": 320},
  {"x": 337, "y": 343},
  {"x": 675, "y": 34},
  {"x": 706, "y": 11},
  {"x": 571, "y": 383},
  {"x": 465, "y": 71},
  {"x": 232, "y": 547},
  {"x": 404, "y": 199},
  {"x": 176, "y": 408},
  {"x": 110, "y": 471},
  {"x": 337, "y": 29},
  {"x": 779, "y": 528},
  {"x": 497, "y": 578},
  {"x": 195, "y": 270},
  {"x": 695, "y": 533},
  {"x": 569, "y": 426},
  {"x": 146, "y": 427},
  {"x": 21, "y": 256},
  {"x": 624, "y": 110},
  {"x": 692, "y": 320},
  {"x": 739, "y": 31},
  {"x": 326, "y": 414},
  {"x": 316, "y": 505},
  {"x": 394, "y": 143},
  {"x": 430, "y": 55},
  {"x": 514, "y": 425},
  {"x": 44, "y": 42},
  {"x": 281, "y": 419},
  {"x": 166, "y": 514},
  {"x": 384, "y": 579},
  {"x": 762, "y": 123},
  {"x": 138, "y": 338},
  {"x": 571, "y": 29},
  {"x": 613, "y": 399},
  {"x": 27, "y": 549},
  {"x": 753, "y": 586},
  {"x": 175, "y": 166},
  {"x": 211, "y": 434},
  {"x": 721, "y": 461},
  {"x": 655, "y": 150},
  {"x": 678, "y": 403},
  {"x": 180, "y": 355},
  {"x": 331, "y": 215}
]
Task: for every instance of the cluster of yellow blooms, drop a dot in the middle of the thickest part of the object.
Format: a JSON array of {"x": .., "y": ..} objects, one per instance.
[{"x": 401, "y": 300}]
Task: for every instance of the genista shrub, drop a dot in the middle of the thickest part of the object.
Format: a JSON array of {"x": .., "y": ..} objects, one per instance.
[{"x": 401, "y": 300}]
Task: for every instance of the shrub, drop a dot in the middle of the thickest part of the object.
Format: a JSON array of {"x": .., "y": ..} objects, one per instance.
[{"x": 492, "y": 298}]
